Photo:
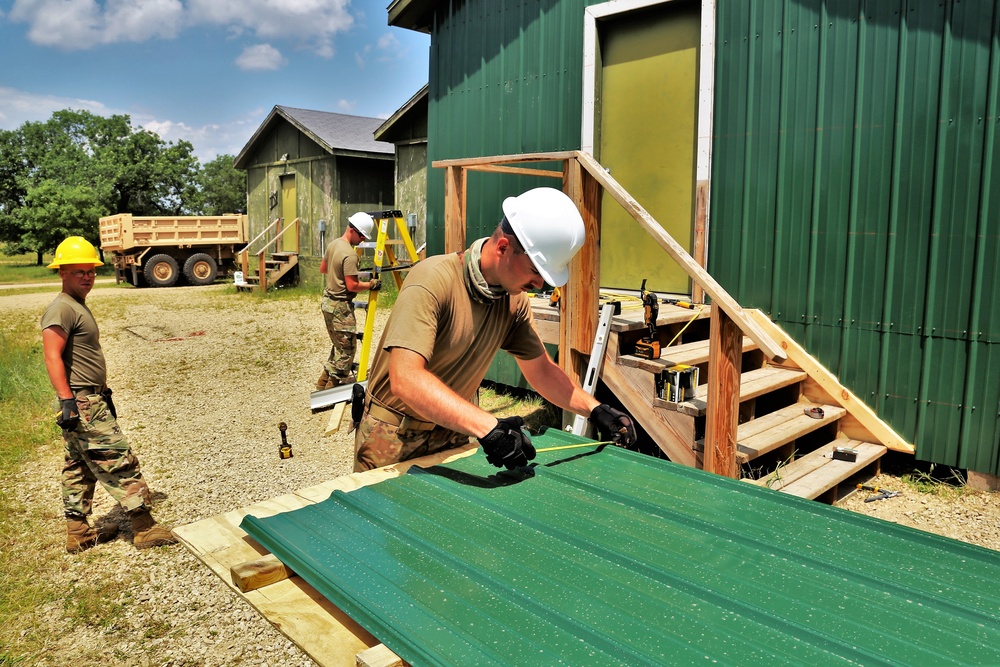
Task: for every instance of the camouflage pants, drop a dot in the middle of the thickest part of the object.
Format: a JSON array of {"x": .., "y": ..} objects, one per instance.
[
  {"x": 342, "y": 327},
  {"x": 378, "y": 443},
  {"x": 97, "y": 451}
]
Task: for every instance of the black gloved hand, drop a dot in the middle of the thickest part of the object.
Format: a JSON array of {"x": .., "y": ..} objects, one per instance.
[
  {"x": 507, "y": 445},
  {"x": 69, "y": 417},
  {"x": 614, "y": 425},
  {"x": 375, "y": 284}
]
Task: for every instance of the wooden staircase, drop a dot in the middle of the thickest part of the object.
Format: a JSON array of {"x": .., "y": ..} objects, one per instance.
[
  {"x": 280, "y": 265},
  {"x": 274, "y": 268},
  {"x": 778, "y": 444}
]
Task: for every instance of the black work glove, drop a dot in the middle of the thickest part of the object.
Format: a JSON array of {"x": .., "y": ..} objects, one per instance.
[
  {"x": 614, "y": 425},
  {"x": 376, "y": 284},
  {"x": 507, "y": 445},
  {"x": 69, "y": 417},
  {"x": 106, "y": 395}
]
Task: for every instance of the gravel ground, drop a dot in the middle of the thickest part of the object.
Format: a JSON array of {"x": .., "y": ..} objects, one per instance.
[{"x": 202, "y": 378}]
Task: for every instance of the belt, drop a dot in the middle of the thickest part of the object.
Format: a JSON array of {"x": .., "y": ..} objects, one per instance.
[
  {"x": 88, "y": 389},
  {"x": 330, "y": 296},
  {"x": 404, "y": 422}
]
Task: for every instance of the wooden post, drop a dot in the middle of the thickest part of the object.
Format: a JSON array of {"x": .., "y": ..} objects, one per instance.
[
  {"x": 722, "y": 418},
  {"x": 455, "y": 180},
  {"x": 578, "y": 305},
  {"x": 700, "y": 237}
]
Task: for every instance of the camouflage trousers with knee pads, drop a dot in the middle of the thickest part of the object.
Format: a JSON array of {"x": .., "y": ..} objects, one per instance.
[
  {"x": 342, "y": 328},
  {"x": 97, "y": 451}
]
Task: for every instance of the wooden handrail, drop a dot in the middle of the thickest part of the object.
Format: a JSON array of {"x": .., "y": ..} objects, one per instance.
[{"x": 244, "y": 254}]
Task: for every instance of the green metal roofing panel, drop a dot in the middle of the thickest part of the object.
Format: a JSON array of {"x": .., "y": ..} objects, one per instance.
[
  {"x": 854, "y": 187},
  {"x": 600, "y": 556}
]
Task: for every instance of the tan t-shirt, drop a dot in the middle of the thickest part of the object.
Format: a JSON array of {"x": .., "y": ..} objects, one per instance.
[
  {"x": 82, "y": 356},
  {"x": 341, "y": 260},
  {"x": 436, "y": 317}
]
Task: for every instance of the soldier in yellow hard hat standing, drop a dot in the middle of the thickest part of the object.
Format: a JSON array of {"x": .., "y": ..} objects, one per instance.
[{"x": 95, "y": 449}]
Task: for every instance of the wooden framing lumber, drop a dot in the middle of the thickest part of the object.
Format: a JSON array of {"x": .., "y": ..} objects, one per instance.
[
  {"x": 724, "y": 361},
  {"x": 255, "y": 574}
]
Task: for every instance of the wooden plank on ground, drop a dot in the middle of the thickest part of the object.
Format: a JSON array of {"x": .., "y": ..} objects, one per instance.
[
  {"x": 336, "y": 415},
  {"x": 254, "y": 574}
]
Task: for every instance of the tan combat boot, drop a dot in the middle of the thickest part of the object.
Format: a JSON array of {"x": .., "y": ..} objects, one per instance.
[
  {"x": 80, "y": 536},
  {"x": 324, "y": 381},
  {"x": 147, "y": 533}
]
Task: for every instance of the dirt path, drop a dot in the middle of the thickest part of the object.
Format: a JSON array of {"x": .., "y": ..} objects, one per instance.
[{"x": 202, "y": 378}]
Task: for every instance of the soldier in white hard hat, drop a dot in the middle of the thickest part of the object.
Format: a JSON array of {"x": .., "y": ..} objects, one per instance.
[
  {"x": 95, "y": 449},
  {"x": 340, "y": 265},
  {"x": 452, "y": 315}
]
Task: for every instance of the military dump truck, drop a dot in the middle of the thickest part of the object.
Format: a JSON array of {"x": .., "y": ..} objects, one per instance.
[{"x": 157, "y": 251}]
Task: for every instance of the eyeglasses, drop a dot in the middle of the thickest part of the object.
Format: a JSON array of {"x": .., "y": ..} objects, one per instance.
[{"x": 80, "y": 274}]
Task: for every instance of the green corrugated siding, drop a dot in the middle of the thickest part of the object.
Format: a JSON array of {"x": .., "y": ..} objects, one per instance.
[
  {"x": 601, "y": 556},
  {"x": 854, "y": 172},
  {"x": 505, "y": 78}
]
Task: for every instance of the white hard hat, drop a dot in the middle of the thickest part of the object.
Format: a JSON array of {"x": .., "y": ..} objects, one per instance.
[
  {"x": 550, "y": 230},
  {"x": 364, "y": 223}
]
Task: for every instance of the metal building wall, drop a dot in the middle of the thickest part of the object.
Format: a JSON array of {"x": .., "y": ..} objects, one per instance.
[
  {"x": 855, "y": 172},
  {"x": 505, "y": 78}
]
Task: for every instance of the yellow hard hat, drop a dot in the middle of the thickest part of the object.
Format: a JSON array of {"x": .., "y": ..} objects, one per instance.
[{"x": 76, "y": 250}]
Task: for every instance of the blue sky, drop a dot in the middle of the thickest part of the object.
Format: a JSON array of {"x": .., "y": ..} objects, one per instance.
[{"x": 208, "y": 71}]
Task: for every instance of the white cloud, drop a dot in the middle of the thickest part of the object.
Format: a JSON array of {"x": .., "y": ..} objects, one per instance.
[
  {"x": 346, "y": 105},
  {"x": 261, "y": 57},
  {"x": 18, "y": 107},
  {"x": 385, "y": 49},
  {"x": 81, "y": 24},
  {"x": 308, "y": 22}
]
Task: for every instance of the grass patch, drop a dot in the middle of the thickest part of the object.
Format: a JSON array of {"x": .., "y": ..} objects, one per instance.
[
  {"x": 27, "y": 427},
  {"x": 17, "y": 269},
  {"x": 502, "y": 401}
]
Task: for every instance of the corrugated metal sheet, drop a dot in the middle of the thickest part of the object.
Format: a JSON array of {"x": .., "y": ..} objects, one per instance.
[
  {"x": 606, "y": 557},
  {"x": 853, "y": 199}
]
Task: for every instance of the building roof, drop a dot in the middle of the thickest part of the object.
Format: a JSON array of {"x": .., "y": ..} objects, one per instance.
[
  {"x": 335, "y": 132},
  {"x": 600, "y": 556},
  {"x": 414, "y": 106},
  {"x": 412, "y": 14}
]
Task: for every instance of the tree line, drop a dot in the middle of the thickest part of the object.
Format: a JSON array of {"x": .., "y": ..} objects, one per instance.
[{"x": 58, "y": 177}]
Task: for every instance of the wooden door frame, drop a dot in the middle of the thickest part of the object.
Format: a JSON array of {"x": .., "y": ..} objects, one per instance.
[{"x": 592, "y": 67}]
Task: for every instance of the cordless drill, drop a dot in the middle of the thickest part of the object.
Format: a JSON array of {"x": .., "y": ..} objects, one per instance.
[{"x": 649, "y": 346}]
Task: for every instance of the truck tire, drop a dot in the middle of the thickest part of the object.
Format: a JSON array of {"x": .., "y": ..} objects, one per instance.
[
  {"x": 161, "y": 271},
  {"x": 200, "y": 269}
]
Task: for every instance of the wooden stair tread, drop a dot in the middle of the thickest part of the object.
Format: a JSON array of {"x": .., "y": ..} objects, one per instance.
[
  {"x": 816, "y": 472},
  {"x": 764, "y": 434},
  {"x": 752, "y": 384},
  {"x": 691, "y": 354}
]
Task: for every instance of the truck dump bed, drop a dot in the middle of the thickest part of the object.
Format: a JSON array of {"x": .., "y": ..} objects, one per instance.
[{"x": 123, "y": 232}]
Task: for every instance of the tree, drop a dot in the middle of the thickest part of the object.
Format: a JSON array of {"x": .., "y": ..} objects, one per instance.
[
  {"x": 76, "y": 167},
  {"x": 221, "y": 187}
]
